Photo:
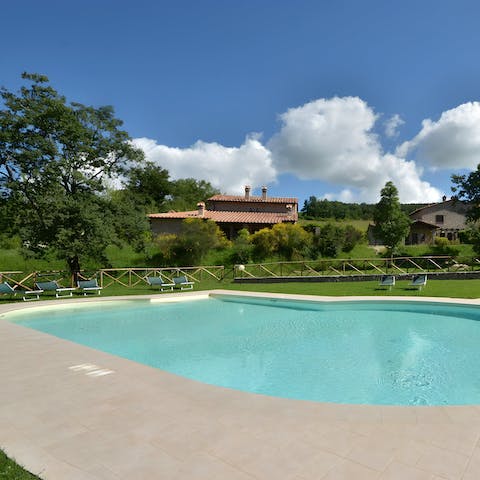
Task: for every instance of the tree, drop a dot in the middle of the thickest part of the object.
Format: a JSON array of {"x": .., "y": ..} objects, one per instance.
[
  {"x": 352, "y": 236},
  {"x": 196, "y": 239},
  {"x": 241, "y": 247},
  {"x": 187, "y": 192},
  {"x": 315, "y": 208},
  {"x": 391, "y": 224},
  {"x": 150, "y": 185},
  {"x": 467, "y": 189},
  {"x": 54, "y": 157},
  {"x": 328, "y": 240},
  {"x": 283, "y": 239},
  {"x": 291, "y": 241},
  {"x": 263, "y": 242}
]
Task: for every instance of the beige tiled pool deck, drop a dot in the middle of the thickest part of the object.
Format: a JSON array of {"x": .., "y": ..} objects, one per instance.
[{"x": 110, "y": 418}]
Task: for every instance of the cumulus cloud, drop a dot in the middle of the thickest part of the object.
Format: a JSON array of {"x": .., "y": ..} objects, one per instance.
[
  {"x": 226, "y": 168},
  {"x": 333, "y": 140},
  {"x": 323, "y": 138},
  {"x": 392, "y": 125},
  {"x": 451, "y": 142}
]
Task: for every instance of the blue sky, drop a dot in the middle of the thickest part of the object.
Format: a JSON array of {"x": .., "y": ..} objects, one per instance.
[{"x": 309, "y": 97}]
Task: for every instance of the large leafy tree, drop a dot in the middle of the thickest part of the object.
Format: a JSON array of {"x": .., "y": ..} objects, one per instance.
[
  {"x": 467, "y": 189},
  {"x": 187, "y": 192},
  {"x": 54, "y": 157},
  {"x": 150, "y": 185},
  {"x": 197, "y": 238},
  {"x": 391, "y": 223}
]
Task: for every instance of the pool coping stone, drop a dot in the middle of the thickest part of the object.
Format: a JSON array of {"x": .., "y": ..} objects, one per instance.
[{"x": 69, "y": 411}]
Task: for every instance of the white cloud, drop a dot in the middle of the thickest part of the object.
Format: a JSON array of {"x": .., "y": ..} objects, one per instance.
[
  {"x": 332, "y": 140},
  {"x": 226, "y": 168},
  {"x": 451, "y": 142},
  {"x": 323, "y": 138},
  {"x": 392, "y": 124}
]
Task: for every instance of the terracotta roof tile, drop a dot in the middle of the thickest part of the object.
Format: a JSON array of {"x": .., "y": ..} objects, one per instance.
[
  {"x": 232, "y": 217},
  {"x": 255, "y": 199},
  {"x": 193, "y": 213}
]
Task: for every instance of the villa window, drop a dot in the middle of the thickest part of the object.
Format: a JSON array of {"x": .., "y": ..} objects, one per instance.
[{"x": 439, "y": 219}]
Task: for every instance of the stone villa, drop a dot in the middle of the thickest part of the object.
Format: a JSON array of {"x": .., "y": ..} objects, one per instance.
[
  {"x": 232, "y": 213},
  {"x": 444, "y": 219}
]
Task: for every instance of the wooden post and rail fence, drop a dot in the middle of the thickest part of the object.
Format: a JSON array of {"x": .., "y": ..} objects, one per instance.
[{"x": 336, "y": 268}]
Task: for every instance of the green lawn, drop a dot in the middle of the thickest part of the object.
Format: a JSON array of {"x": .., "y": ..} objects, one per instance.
[
  {"x": 434, "y": 288},
  {"x": 9, "y": 470},
  {"x": 120, "y": 257},
  {"x": 12, "y": 260}
]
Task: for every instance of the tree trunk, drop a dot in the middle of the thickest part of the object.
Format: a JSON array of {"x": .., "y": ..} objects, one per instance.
[{"x": 74, "y": 267}]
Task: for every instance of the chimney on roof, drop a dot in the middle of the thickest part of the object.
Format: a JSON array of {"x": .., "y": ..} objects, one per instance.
[
  {"x": 201, "y": 209},
  {"x": 247, "y": 192},
  {"x": 264, "y": 192}
]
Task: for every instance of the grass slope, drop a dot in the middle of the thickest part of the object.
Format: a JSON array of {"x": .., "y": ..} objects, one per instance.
[{"x": 9, "y": 470}]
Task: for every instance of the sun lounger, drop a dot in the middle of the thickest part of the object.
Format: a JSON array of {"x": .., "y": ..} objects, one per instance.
[
  {"x": 387, "y": 281},
  {"x": 159, "y": 282},
  {"x": 29, "y": 295},
  {"x": 7, "y": 289},
  {"x": 53, "y": 286},
  {"x": 418, "y": 281},
  {"x": 182, "y": 283},
  {"x": 89, "y": 286}
]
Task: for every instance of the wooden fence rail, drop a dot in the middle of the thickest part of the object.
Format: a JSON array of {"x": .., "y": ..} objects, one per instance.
[
  {"x": 131, "y": 277},
  {"x": 348, "y": 267},
  {"x": 128, "y": 277}
]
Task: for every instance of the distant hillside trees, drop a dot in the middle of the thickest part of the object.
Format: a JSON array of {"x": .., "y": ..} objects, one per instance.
[
  {"x": 315, "y": 208},
  {"x": 323, "y": 208}
]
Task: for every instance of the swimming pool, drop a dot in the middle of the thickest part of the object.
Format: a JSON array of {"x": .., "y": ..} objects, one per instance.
[{"x": 364, "y": 352}]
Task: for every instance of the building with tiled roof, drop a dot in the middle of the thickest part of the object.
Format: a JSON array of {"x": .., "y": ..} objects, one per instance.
[
  {"x": 443, "y": 219},
  {"x": 232, "y": 213}
]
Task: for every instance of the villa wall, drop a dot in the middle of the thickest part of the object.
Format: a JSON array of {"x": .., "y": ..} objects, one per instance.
[
  {"x": 226, "y": 206},
  {"x": 166, "y": 225},
  {"x": 453, "y": 215}
]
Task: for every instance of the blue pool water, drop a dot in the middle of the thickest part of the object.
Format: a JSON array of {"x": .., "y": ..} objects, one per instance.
[{"x": 397, "y": 353}]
